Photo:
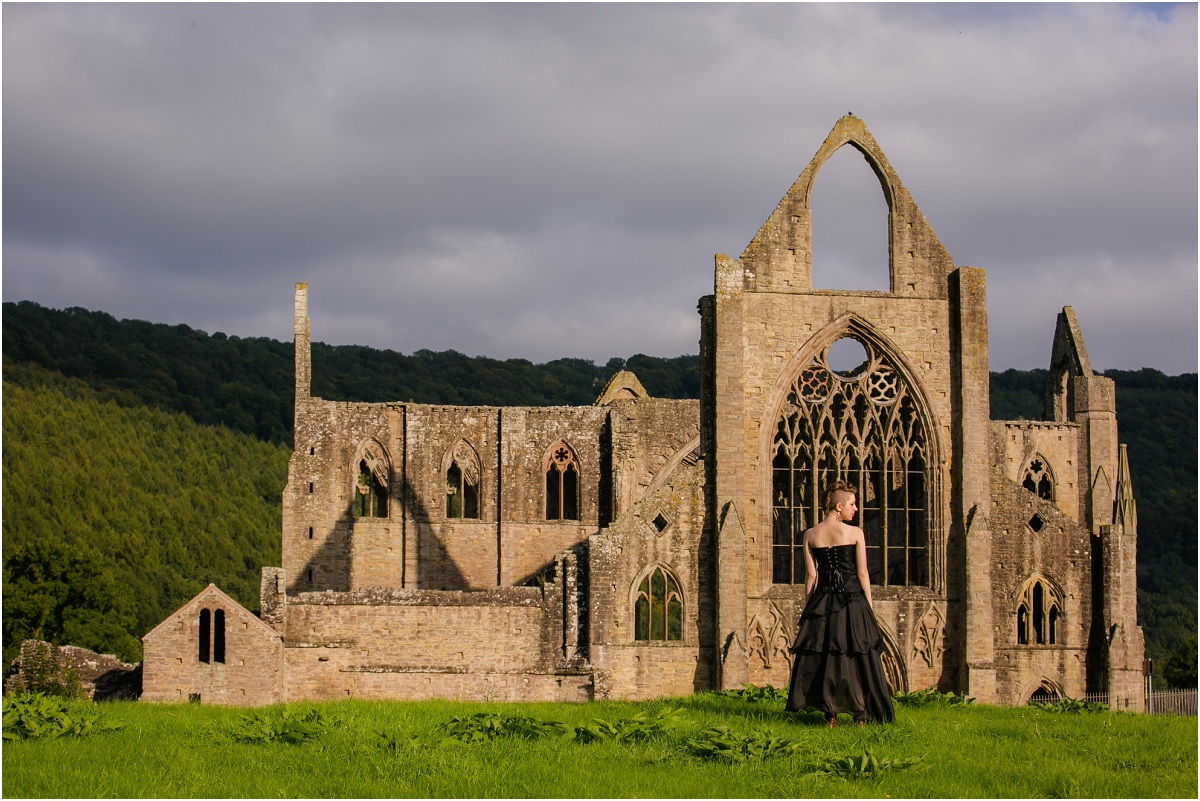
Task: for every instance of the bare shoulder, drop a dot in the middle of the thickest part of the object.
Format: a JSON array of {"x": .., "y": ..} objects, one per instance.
[{"x": 856, "y": 535}]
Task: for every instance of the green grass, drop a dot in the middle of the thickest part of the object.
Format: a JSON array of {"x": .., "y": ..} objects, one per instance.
[{"x": 931, "y": 751}]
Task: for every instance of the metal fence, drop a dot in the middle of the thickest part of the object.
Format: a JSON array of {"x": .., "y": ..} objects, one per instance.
[{"x": 1160, "y": 702}]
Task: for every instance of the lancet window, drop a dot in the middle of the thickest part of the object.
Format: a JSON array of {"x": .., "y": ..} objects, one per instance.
[
  {"x": 1038, "y": 610},
  {"x": 562, "y": 483},
  {"x": 862, "y": 425},
  {"x": 212, "y": 636},
  {"x": 371, "y": 486},
  {"x": 462, "y": 484},
  {"x": 1038, "y": 479},
  {"x": 658, "y": 607}
]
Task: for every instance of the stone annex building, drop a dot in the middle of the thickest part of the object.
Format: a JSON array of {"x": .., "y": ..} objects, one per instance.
[{"x": 644, "y": 547}]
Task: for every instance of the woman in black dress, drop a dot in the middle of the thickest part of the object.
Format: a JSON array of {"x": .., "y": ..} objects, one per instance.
[{"x": 836, "y": 666}]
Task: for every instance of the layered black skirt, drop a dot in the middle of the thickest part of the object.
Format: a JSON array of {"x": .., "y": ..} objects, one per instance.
[{"x": 837, "y": 667}]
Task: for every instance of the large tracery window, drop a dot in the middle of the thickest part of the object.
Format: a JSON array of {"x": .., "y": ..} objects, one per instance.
[
  {"x": 863, "y": 425},
  {"x": 562, "y": 483},
  {"x": 658, "y": 607}
]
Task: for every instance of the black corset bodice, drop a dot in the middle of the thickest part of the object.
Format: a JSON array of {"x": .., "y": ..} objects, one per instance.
[{"x": 837, "y": 570}]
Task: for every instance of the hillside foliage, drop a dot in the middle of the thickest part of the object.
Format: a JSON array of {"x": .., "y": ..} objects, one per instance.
[
  {"x": 162, "y": 449},
  {"x": 142, "y": 497}
]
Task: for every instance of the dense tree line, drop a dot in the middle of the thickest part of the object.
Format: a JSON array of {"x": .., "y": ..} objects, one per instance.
[{"x": 245, "y": 386}]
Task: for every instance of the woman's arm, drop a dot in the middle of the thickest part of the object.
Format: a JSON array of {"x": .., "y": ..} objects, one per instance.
[
  {"x": 860, "y": 558},
  {"x": 810, "y": 569}
]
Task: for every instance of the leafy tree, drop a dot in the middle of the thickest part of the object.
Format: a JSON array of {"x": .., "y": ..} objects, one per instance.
[
  {"x": 1180, "y": 669},
  {"x": 66, "y": 595}
]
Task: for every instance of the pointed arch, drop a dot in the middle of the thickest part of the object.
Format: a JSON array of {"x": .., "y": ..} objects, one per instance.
[
  {"x": 372, "y": 472},
  {"x": 872, "y": 426},
  {"x": 462, "y": 471},
  {"x": 656, "y": 603},
  {"x": 895, "y": 669},
  {"x": 560, "y": 466},
  {"x": 1038, "y": 611},
  {"x": 1039, "y": 477},
  {"x": 1042, "y": 688}
]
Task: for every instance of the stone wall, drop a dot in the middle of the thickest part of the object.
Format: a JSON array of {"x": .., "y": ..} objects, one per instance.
[
  {"x": 101, "y": 677},
  {"x": 502, "y": 644},
  {"x": 619, "y": 558},
  {"x": 1059, "y": 553}
]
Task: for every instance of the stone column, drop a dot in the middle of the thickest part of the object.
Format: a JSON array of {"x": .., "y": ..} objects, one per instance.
[
  {"x": 728, "y": 407},
  {"x": 302, "y": 345},
  {"x": 970, "y": 480}
]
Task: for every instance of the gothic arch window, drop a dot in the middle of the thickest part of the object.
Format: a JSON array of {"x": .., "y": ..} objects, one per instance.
[
  {"x": 462, "y": 483},
  {"x": 371, "y": 483},
  {"x": 1039, "y": 609},
  {"x": 861, "y": 423},
  {"x": 1038, "y": 479},
  {"x": 658, "y": 607},
  {"x": 561, "y": 470}
]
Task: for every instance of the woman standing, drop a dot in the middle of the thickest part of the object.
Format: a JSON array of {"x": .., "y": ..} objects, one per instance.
[{"x": 837, "y": 666}]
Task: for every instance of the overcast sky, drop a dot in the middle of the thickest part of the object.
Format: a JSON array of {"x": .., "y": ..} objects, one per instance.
[{"x": 540, "y": 181}]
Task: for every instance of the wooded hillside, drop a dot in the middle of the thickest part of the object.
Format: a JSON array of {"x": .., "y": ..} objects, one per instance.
[{"x": 162, "y": 450}]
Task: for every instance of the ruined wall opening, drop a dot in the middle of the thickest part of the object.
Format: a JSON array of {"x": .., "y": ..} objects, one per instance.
[
  {"x": 1038, "y": 478},
  {"x": 658, "y": 607},
  {"x": 850, "y": 239},
  {"x": 462, "y": 483},
  {"x": 562, "y": 483},
  {"x": 1039, "y": 607}
]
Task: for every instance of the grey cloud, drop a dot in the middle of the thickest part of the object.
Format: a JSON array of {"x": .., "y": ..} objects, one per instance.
[{"x": 458, "y": 176}]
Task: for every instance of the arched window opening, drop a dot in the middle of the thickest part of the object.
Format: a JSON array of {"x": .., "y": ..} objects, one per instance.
[
  {"x": 562, "y": 483},
  {"x": 849, "y": 225},
  {"x": 462, "y": 484},
  {"x": 658, "y": 608},
  {"x": 370, "y": 490},
  {"x": 1038, "y": 480},
  {"x": 205, "y": 631},
  {"x": 1039, "y": 608},
  {"x": 219, "y": 636},
  {"x": 1044, "y": 695},
  {"x": 862, "y": 424}
]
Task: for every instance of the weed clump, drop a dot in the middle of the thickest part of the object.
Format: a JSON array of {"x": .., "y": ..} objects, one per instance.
[
  {"x": 292, "y": 726},
  {"x": 30, "y": 716}
]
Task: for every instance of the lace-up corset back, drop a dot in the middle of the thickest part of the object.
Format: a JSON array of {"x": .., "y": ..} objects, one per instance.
[{"x": 837, "y": 570}]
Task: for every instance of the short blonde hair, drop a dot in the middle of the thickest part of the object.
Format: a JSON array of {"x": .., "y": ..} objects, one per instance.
[{"x": 833, "y": 495}]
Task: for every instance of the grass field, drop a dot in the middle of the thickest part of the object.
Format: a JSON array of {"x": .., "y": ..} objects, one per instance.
[{"x": 932, "y": 751}]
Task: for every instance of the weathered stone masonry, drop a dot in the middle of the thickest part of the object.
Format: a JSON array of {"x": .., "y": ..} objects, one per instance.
[{"x": 644, "y": 547}]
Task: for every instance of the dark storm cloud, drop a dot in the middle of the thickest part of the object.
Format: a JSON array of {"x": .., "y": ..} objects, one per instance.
[{"x": 544, "y": 181}]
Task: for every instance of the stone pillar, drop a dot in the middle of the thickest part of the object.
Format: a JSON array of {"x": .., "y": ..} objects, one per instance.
[
  {"x": 303, "y": 346},
  {"x": 970, "y": 481},
  {"x": 570, "y": 606},
  {"x": 728, "y": 407}
]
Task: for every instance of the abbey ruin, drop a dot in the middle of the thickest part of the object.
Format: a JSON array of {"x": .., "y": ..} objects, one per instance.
[{"x": 643, "y": 547}]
